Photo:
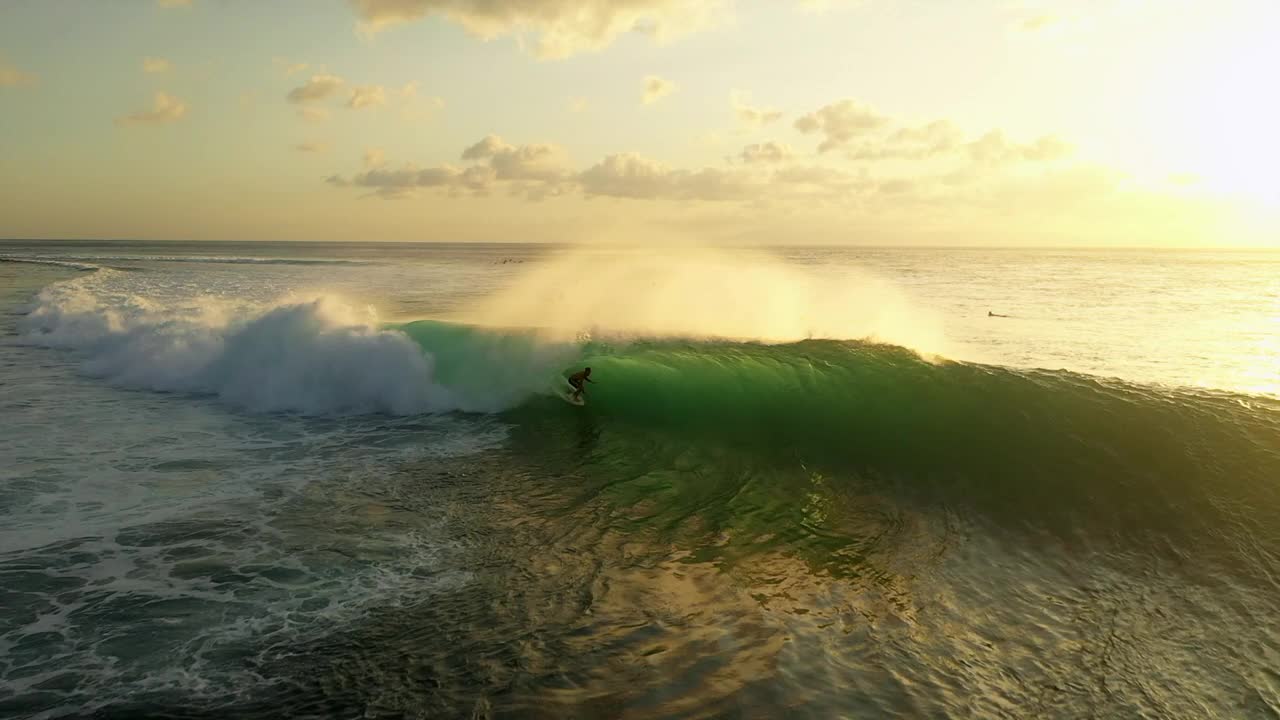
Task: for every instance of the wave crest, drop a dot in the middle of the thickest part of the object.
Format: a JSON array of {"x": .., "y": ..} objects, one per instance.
[{"x": 316, "y": 355}]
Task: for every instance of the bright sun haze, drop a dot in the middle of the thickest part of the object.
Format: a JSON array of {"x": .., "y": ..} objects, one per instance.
[{"x": 1106, "y": 123}]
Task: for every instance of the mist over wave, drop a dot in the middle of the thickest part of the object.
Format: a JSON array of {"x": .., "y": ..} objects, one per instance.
[{"x": 704, "y": 293}]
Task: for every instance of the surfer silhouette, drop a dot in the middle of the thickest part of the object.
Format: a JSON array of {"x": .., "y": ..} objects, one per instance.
[{"x": 578, "y": 379}]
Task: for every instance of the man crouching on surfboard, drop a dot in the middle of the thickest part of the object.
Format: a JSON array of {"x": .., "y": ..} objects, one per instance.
[{"x": 577, "y": 379}]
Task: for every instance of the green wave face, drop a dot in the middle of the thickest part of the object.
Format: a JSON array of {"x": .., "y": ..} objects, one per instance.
[{"x": 750, "y": 434}]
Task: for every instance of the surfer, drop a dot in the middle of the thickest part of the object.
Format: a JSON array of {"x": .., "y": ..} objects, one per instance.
[{"x": 577, "y": 380}]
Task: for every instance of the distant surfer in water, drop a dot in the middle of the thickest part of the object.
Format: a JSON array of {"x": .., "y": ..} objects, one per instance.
[{"x": 577, "y": 379}]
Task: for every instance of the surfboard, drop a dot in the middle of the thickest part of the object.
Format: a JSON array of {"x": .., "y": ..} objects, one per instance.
[{"x": 567, "y": 395}]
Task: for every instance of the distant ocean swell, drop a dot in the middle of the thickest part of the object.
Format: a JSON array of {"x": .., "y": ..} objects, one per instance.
[
  {"x": 95, "y": 261},
  {"x": 1060, "y": 447}
]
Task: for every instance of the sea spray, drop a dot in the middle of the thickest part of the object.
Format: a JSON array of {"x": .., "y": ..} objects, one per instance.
[{"x": 705, "y": 293}]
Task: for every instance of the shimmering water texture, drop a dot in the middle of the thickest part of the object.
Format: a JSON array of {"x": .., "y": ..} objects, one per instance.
[{"x": 262, "y": 481}]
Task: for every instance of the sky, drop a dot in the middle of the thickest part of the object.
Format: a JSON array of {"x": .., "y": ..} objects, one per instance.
[{"x": 1119, "y": 123}]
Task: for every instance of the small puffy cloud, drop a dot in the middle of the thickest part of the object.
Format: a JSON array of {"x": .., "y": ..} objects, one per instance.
[
  {"x": 367, "y": 96},
  {"x": 922, "y": 142},
  {"x": 315, "y": 89},
  {"x": 840, "y": 122},
  {"x": 629, "y": 175},
  {"x": 656, "y": 88},
  {"x": 11, "y": 76},
  {"x": 995, "y": 149},
  {"x": 389, "y": 183},
  {"x": 537, "y": 170},
  {"x": 540, "y": 161},
  {"x": 165, "y": 109},
  {"x": 749, "y": 114},
  {"x": 626, "y": 175},
  {"x": 312, "y": 147},
  {"x": 1047, "y": 148},
  {"x": 769, "y": 152},
  {"x": 155, "y": 65},
  {"x": 563, "y": 27}
]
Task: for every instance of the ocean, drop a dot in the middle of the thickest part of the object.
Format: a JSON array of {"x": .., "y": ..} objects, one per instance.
[{"x": 261, "y": 480}]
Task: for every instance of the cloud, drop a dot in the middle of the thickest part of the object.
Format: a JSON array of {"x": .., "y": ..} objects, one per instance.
[
  {"x": 11, "y": 76},
  {"x": 535, "y": 170},
  {"x": 995, "y": 149},
  {"x": 769, "y": 152},
  {"x": 155, "y": 65},
  {"x": 869, "y": 136},
  {"x": 656, "y": 88},
  {"x": 312, "y": 147},
  {"x": 750, "y": 115},
  {"x": 400, "y": 183},
  {"x": 317, "y": 88},
  {"x": 540, "y": 170},
  {"x": 563, "y": 27},
  {"x": 367, "y": 96},
  {"x": 165, "y": 109},
  {"x": 763, "y": 174},
  {"x": 629, "y": 175},
  {"x": 921, "y": 142},
  {"x": 540, "y": 161},
  {"x": 840, "y": 122}
]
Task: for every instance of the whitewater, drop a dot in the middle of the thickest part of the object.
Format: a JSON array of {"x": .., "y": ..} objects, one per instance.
[{"x": 240, "y": 479}]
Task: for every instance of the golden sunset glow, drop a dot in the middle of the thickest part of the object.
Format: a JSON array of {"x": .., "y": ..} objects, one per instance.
[{"x": 1090, "y": 122}]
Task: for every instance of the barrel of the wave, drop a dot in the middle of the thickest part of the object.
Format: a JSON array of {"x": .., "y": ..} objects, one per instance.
[
  {"x": 489, "y": 369},
  {"x": 1045, "y": 447}
]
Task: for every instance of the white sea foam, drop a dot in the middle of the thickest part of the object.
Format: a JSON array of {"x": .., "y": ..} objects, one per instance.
[{"x": 312, "y": 355}]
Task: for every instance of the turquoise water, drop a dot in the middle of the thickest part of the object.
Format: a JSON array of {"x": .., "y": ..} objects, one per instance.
[{"x": 245, "y": 480}]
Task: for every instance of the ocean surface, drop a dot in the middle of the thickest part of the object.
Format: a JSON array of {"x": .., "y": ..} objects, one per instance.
[{"x": 251, "y": 480}]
